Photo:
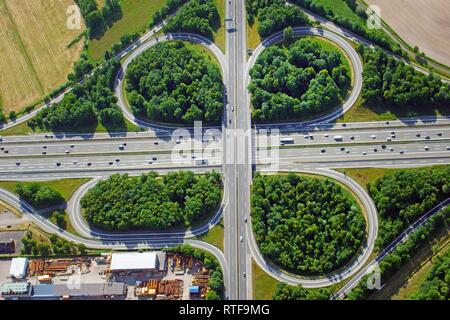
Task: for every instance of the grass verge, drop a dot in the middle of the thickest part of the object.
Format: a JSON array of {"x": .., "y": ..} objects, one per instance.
[
  {"x": 263, "y": 284},
  {"x": 215, "y": 236}
]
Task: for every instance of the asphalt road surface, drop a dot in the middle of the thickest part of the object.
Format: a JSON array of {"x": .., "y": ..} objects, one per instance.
[{"x": 232, "y": 149}]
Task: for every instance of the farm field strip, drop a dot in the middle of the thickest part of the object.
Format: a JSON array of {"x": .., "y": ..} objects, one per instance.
[{"x": 38, "y": 58}]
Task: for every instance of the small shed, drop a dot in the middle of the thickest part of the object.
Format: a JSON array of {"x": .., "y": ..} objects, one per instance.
[{"x": 194, "y": 290}]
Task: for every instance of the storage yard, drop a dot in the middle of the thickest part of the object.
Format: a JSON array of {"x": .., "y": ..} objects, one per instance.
[{"x": 144, "y": 276}]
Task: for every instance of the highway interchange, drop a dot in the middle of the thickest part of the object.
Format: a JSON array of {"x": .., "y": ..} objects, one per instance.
[{"x": 317, "y": 146}]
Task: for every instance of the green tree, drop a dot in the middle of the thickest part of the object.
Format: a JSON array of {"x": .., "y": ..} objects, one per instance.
[{"x": 288, "y": 34}]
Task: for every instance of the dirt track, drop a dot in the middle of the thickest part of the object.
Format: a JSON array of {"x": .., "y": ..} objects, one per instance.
[{"x": 425, "y": 23}]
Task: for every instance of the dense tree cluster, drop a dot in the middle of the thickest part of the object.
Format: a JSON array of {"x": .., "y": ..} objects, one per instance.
[
  {"x": 292, "y": 82},
  {"x": 89, "y": 103},
  {"x": 151, "y": 202},
  {"x": 57, "y": 246},
  {"x": 305, "y": 225},
  {"x": 171, "y": 6},
  {"x": 377, "y": 36},
  {"x": 173, "y": 83},
  {"x": 197, "y": 16},
  {"x": 274, "y": 15},
  {"x": 437, "y": 284},
  {"x": 2, "y": 116},
  {"x": 403, "y": 196},
  {"x": 215, "y": 284},
  {"x": 125, "y": 40},
  {"x": 98, "y": 20},
  {"x": 38, "y": 195},
  {"x": 392, "y": 82},
  {"x": 284, "y": 291},
  {"x": 402, "y": 254}
]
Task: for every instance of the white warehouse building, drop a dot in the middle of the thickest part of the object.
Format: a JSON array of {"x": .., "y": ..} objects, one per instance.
[
  {"x": 137, "y": 261},
  {"x": 19, "y": 268}
]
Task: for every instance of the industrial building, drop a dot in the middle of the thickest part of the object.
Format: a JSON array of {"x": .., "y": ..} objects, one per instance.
[
  {"x": 110, "y": 290},
  {"x": 7, "y": 247},
  {"x": 16, "y": 290},
  {"x": 138, "y": 262},
  {"x": 92, "y": 291},
  {"x": 19, "y": 268}
]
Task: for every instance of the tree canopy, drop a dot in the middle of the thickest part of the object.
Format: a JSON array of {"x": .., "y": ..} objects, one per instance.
[
  {"x": 150, "y": 202},
  {"x": 355, "y": 20},
  {"x": 38, "y": 195},
  {"x": 98, "y": 20},
  {"x": 305, "y": 225},
  {"x": 197, "y": 16},
  {"x": 403, "y": 196},
  {"x": 284, "y": 291},
  {"x": 174, "y": 83},
  {"x": 89, "y": 103},
  {"x": 297, "y": 80},
  {"x": 170, "y": 6},
  {"x": 391, "y": 82},
  {"x": 437, "y": 283},
  {"x": 274, "y": 15}
]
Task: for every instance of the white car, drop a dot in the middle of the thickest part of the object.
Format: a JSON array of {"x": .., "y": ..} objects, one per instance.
[
  {"x": 241, "y": 239},
  {"x": 364, "y": 153},
  {"x": 427, "y": 148}
]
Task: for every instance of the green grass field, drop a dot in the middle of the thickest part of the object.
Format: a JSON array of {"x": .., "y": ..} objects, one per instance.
[
  {"x": 412, "y": 285},
  {"x": 215, "y": 236},
  {"x": 64, "y": 186},
  {"x": 253, "y": 38},
  {"x": 365, "y": 175},
  {"x": 219, "y": 34},
  {"x": 263, "y": 284},
  {"x": 341, "y": 8},
  {"x": 361, "y": 113},
  {"x": 136, "y": 17}
]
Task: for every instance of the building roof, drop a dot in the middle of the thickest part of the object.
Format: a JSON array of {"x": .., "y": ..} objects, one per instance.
[
  {"x": 134, "y": 261},
  {"x": 161, "y": 260},
  {"x": 15, "y": 288},
  {"x": 194, "y": 289},
  {"x": 85, "y": 290},
  {"x": 18, "y": 268}
]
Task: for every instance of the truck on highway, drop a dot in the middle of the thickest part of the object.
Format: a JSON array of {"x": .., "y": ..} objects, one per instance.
[
  {"x": 338, "y": 138},
  {"x": 201, "y": 162},
  {"x": 284, "y": 141}
]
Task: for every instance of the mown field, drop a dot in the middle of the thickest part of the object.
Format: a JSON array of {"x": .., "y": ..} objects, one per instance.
[
  {"x": 35, "y": 56},
  {"x": 425, "y": 23}
]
